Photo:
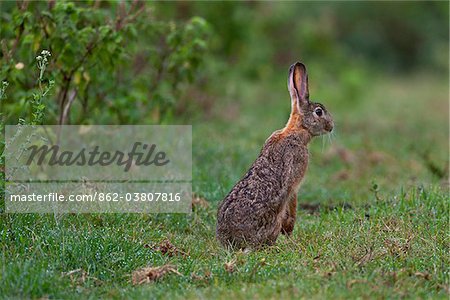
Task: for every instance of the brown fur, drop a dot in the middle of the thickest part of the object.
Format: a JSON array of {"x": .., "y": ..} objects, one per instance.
[
  {"x": 263, "y": 203},
  {"x": 290, "y": 215}
]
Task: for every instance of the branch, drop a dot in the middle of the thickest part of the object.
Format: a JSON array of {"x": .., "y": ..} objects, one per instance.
[{"x": 67, "y": 107}]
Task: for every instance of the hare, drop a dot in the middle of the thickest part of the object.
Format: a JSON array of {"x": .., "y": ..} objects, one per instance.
[{"x": 263, "y": 203}]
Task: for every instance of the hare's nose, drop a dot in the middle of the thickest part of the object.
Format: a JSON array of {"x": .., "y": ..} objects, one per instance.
[{"x": 329, "y": 126}]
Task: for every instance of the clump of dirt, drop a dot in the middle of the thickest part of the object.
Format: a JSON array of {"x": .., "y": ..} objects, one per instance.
[
  {"x": 202, "y": 279},
  {"x": 149, "y": 274},
  {"x": 199, "y": 202},
  {"x": 230, "y": 266},
  {"x": 314, "y": 208},
  {"x": 167, "y": 248}
]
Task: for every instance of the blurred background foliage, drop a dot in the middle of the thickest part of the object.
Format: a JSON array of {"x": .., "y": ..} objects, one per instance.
[
  {"x": 112, "y": 62},
  {"x": 116, "y": 62},
  {"x": 381, "y": 68}
]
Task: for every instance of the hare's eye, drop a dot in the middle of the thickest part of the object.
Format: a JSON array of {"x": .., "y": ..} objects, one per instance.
[{"x": 318, "y": 111}]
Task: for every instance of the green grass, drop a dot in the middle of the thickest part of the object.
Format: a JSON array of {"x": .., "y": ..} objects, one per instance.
[{"x": 355, "y": 242}]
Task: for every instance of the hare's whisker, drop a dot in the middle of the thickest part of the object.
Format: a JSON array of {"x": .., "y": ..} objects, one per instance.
[{"x": 323, "y": 142}]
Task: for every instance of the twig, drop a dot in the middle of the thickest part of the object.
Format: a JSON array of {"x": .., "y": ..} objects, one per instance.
[{"x": 67, "y": 106}]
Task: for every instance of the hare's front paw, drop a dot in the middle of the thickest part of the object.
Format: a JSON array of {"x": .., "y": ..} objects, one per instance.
[{"x": 288, "y": 222}]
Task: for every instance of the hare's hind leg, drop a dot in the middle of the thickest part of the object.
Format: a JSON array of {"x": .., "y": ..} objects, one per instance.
[{"x": 290, "y": 215}]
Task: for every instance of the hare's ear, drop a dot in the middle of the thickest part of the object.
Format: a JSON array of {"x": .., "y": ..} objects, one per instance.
[{"x": 298, "y": 86}]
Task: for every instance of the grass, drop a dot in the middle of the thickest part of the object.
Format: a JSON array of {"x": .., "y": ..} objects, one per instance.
[{"x": 376, "y": 225}]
